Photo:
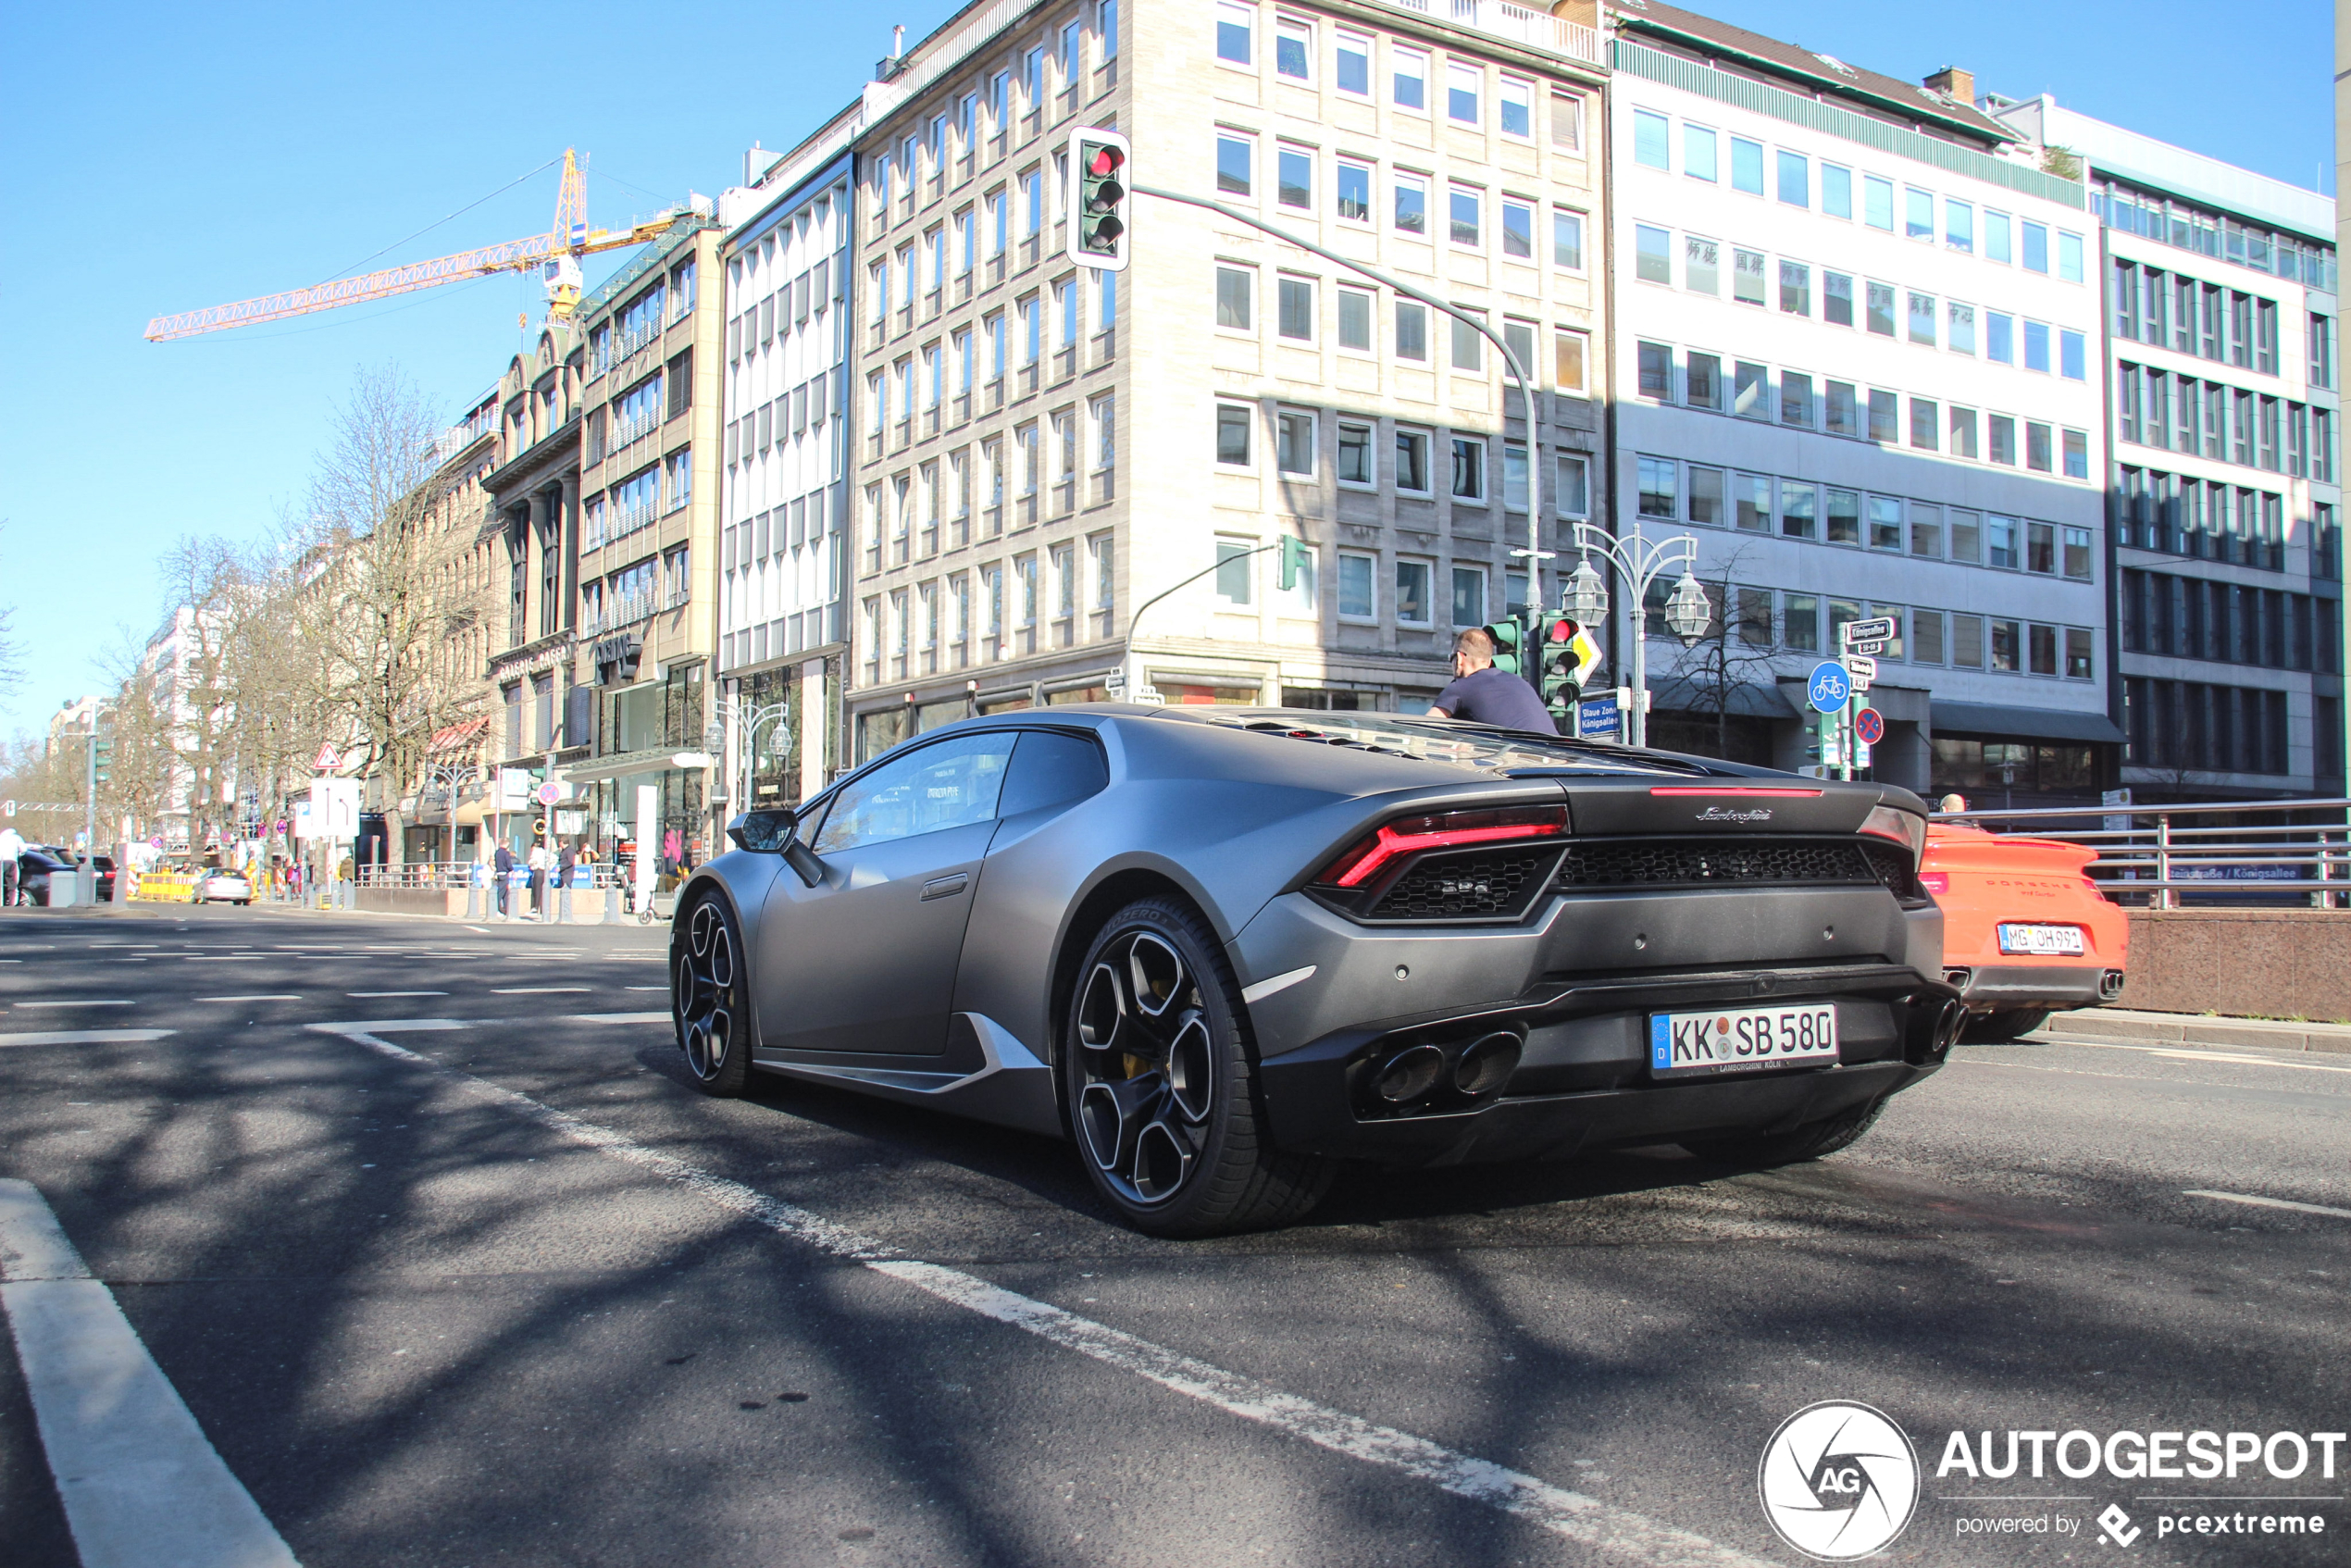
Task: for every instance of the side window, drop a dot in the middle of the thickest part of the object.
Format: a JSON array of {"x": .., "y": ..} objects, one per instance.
[
  {"x": 929, "y": 790},
  {"x": 1051, "y": 768}
]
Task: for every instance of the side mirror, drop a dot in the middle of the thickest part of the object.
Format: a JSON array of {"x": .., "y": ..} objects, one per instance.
[
  {"x": 768, "y": 830},
  {"x": 775, "y": 830}
]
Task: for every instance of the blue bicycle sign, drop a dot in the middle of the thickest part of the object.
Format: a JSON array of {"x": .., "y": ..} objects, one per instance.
[{"x": 1829, "y": 686}]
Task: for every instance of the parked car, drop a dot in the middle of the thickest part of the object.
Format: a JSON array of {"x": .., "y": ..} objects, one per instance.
[
  {"x": 1223, "y": 948},
  {"x": 2025, "y": 931},
  {"x": 39, "y": 863},
  {"x": 224, "y": 886}
]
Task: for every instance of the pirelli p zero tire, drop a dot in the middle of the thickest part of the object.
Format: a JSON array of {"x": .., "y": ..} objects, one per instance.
[
  {"x": 1163, "y": 1086},
  {"x": 1996, "y": 1029},
  {"x": 1807, "y": 1143},
  {"x": 709, "y": 995}
]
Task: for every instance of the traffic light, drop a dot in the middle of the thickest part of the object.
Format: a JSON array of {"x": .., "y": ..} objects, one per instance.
[
  {"x": 1098, "y": 199},
  {"x": 1510, "y": 645},
  {"x": 102, "y": 757},
  {"x": 1298, "y": 561},
  {"x": 1569, "y": 658}
]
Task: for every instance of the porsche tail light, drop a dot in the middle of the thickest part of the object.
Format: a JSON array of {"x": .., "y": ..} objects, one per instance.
[
  {"x": 1365, "y": 858},
  {"x": 1935, "y": 882},
  {"x": 1885, "y": 822}
]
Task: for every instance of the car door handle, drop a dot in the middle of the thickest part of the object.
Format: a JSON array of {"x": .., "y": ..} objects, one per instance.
[{"x": 946, "y": 887}]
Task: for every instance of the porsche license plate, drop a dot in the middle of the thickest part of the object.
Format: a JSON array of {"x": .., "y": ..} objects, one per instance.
[
  {"x": 1749, "y": 1040},
  {"x": 2062, "y": 942}
]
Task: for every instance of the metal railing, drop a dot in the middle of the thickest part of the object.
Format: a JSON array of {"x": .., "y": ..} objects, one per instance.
[
  {"x": 2262, "y": 849},
  {"x": 458, "y": 875},
  {"x": 1534, "y": 28}
]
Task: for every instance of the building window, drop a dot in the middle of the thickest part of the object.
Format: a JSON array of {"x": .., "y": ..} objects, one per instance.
[
  {"x": 1651, "y": 140},
  {"x": 1884, "y": 414},
  {"x": 1234, "y": 157},
  {"x": 1356, "y": 602},
  {"x": 2077, "y": 453},
  {"x": 1464, "y": 224},
  {"x": 1294, "y": 179},
  {"x": 1354, "y": 184},
  {"x": 1959, "y": 225},
  {"x": 2036, "y": 246},
  {"x": 1999, "y": 336},
  {"x": 1412, "y": 607},
  {"x": 1294, "y": 309},
  {"x": 1656, "y": 372},
  {"x": 1412, "y": 462},
  {"x": 1469, "y": 346},
  {"x": 1796, "y": 288},
  {"x": 1356, "y": 464},
  {"x": 1794, "y": 179},
  {"x": 1409, "y": 75},
  {"x": 1234, "y": 570},
  {"x": 1877, "y": 203},
  {"x": 1700, "y": 149},
  {"x": 1234, "y": 25},
  {"x": 1653, "y": 261},
  {"x": 1232, "y": 433},
  {"x": 1570, "y": 361},
  {"x": 1925, "y": 424},
  {"x": 1567, "y": 122},
  {"x": 1294, "y": 443},
  {"x": 1572, "y": 486},
  {"x": 1462, "y": 85},
  {"x": 1517, "y": 229},
  {"x": 1701, "y": 265},
  {"x": 1469, "y": 596},
  {"x": 2072, "y": 356},
  {"x": 2036, "y": 346},
  {"x": 1922, "y": 330},
  {"x": 1960, "y": 326},
  {"x": 1516, "y": 99},
  {"x": 1232, "y": 298},
  {"x": 1412, "y": 204},
  {"x": 1567, "y": 240},
  {"x": 1293, "y": 49},
  {"x": 1354, "y": 319},
  {"x": 1469, "y": 468},
  {"x": 1702, "y": 380},
  {"x": 1354, "y": 65},
  {"x": 1660, "y": 496},
  {"x": 1747, "y": 166},
  {"x": 1747, "y": 277}
]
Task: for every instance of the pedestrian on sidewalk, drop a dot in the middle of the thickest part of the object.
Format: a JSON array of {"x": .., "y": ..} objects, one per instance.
[
  {"x": 502, "y": 863},
  {"x": 11, "y": 846},
  {"x": 541, "y": 861}
]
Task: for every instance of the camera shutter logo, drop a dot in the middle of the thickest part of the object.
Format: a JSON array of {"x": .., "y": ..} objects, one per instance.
[{"x": 1838, "y": 1480}]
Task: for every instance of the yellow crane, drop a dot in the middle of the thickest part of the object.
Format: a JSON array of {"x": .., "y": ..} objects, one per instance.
[{"x": 555, "y": 253}]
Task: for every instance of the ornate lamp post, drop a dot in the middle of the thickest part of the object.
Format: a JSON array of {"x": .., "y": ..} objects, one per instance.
[
  {"x": 743, "y": 723},
  {"x": 1642, "y": 562},
  {"x": 448, "y": 778}
]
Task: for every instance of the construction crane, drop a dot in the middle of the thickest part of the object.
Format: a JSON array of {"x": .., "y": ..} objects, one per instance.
[{"x": 555, "y": 255}]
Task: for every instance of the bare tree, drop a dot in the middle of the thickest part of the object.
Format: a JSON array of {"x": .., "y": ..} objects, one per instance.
[
  {"x": 1735, "y": 651},
  {"x": 370, "y": 596}
]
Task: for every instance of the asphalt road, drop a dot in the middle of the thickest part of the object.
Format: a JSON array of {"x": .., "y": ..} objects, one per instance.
[{"x": 507, "y": 1291}]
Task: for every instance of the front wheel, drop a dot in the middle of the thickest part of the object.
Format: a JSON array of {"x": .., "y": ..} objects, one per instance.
[
  {"x": 1161, "y": 1088},
  {"x": 707, "y": 996}
]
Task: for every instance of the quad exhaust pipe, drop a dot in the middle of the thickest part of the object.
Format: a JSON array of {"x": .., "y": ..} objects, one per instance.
[{"x": 1934, "y": 1024}]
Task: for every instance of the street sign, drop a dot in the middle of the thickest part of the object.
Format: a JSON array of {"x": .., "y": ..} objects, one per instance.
[
  {"x": 1878, "y": 628},
  {"x": 334, "y": 808},
  {"x": 7, "y": 808},
  {"x": 1860, "y": 754},
  {"x": 1861, "y": 666},
  {"x": 328, "y": 759},
  {"x": 1114, "y": 683},
  {"x": 548, "y": 794},
  {"x": 1828, "y": 687},
  {"x": 1869, "y": 726},
  {"x": 1600, "y": 716}
]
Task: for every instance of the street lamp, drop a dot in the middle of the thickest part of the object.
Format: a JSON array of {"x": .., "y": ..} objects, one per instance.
[
  {"x": 745, "y": 721},
  {"x": 450, "y": 777},
  {"x": 1642, "y": 562}
]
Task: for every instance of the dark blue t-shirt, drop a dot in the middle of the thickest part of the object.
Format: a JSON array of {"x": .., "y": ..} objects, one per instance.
[{"x": 1492, "y": 697}]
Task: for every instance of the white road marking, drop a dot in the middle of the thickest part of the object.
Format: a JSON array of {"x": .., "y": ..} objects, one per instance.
[
  {"x": 2246, "y": 1060},
  {"x": 2273, "y": 1204},
  {"x": 275, "y": 997},
  {"x": 112, "y": 1001},
  {"x": 140, "y": 1481},
  {"x": 1280, "y": 982},
  {"x": 645, "y": 988},
  {"x": 227, "y": 957},
  {"x": 394, "y": 994},
  {"x": 617, "y": 1018},
  {"x": 83, "y": 1037},
  {"x": 483, "y": 929},
  {"x": 1573, "y": 1515},
  {"x": 536, "y": 991}
]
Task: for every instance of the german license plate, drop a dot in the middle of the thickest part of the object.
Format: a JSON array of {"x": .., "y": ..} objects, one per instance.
[
  {"x": 1750, "y": 1039},
  {"x": 2041, "y": 940}
]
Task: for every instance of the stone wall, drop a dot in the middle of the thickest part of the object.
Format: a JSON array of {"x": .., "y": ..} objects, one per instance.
[{"x": 2247, "y": 963}]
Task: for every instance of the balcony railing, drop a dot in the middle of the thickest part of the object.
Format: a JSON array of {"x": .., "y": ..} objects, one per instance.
[
  {"x": 1500, "y": 18},
  {"x": 2214, "y": 853}
]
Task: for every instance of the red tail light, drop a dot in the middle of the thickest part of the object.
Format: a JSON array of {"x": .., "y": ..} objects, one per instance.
[
  {"x": 1935, "y": 882},
  {"x": 1719, "y": 789},
  {"x": 1443, "y": 831}
]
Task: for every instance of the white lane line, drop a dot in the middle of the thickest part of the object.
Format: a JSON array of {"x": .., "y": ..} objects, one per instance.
[
  {"x": 614, "y": 1019},
  {"x": 114, "y": 1002},
  {"x": 83, "y": 1037},
  {"x": 536, "y": 991},
  {"x": 394, "y": 994},
  {"x": 2193, "y": 1055},
  {"x": 2273, "y": 1204},
  {"x": 1573, "y": 1515},
  {"x": 483, "y": 929},
  {"x": 280, "y": 996},
  {"x": 645, "y": 988},
  {"x": 140, "y": 1481}
]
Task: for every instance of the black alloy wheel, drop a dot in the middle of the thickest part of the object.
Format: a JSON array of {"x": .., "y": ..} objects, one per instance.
[
  {"x": 1163, "y": 1086},
  {"x": 707, "y": 996}
]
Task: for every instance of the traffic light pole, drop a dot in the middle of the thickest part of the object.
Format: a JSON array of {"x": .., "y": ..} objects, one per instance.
[
  {"x": 1132, "y": 665},
  {"x": 1534, "y": 553},
  {"x": 86, "y": 879}
]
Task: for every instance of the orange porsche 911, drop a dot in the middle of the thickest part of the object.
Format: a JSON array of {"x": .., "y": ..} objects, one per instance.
[{"x": 2025, "y": 931}]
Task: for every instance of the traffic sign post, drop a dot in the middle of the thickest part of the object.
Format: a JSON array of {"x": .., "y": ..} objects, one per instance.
[
  {"x": 1869, "y": 726},
  {"x": 1828, "y": 687}
]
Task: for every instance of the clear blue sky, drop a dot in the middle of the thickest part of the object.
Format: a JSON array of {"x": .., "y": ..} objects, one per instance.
[{"x": 163, "y": 157}]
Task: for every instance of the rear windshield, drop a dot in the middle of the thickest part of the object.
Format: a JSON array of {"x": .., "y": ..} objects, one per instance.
[{"x": 1463, "y": 745}]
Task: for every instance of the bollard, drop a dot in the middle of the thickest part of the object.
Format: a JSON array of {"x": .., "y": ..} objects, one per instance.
[
  {"x": 473, "y": 898},
  {"x": 562, "y": 903},
  {"x": 612, "y": 904}
]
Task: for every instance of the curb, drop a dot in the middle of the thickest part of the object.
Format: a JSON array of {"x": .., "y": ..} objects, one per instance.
[{"x": 2182, "y": 1028}]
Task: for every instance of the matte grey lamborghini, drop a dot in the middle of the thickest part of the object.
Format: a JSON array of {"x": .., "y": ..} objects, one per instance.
[{"x": 1223, "y": 948}]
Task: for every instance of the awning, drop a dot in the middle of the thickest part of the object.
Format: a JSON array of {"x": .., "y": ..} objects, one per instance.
[
  {"x": 456, "y": 735},
  {"x": 2023, "y": 724},
  {"x": 625, "y": 763}
]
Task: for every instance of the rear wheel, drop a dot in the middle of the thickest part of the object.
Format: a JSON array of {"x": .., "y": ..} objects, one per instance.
[
  {"x": 1807, "y": 1142},
  {"x": 1161, "y": 1088},
  {"x": 707, "y": 995},
  {"x": 1995, "y": 1028}
]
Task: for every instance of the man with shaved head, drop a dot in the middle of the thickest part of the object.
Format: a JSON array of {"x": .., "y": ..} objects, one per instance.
[{"x": 1482, "y": 695}]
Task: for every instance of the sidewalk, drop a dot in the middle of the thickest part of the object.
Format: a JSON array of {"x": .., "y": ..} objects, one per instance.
[{"x": 2187, "y": 1028}]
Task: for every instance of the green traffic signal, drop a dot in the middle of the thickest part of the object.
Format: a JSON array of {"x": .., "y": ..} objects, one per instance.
[
  {"x": 1296, "y": 560},
  {"x": 1510, "y": 645},
  {"x": 101, "y": 757}
]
